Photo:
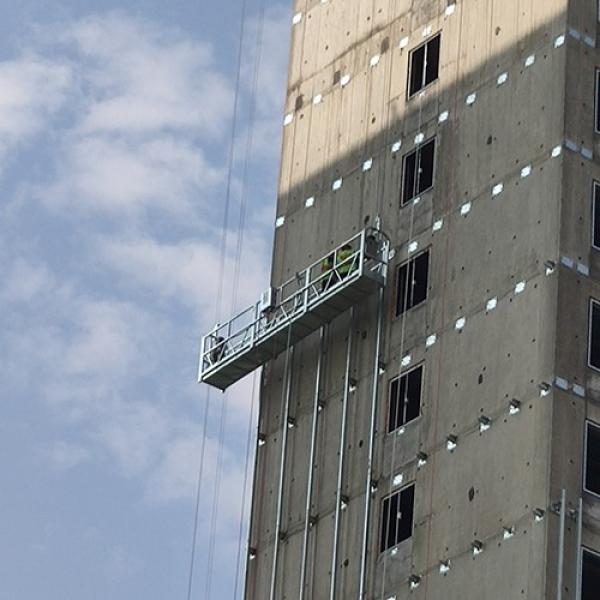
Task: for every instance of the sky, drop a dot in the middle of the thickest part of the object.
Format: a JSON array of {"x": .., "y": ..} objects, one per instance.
[{"x": 115, "y": 120}]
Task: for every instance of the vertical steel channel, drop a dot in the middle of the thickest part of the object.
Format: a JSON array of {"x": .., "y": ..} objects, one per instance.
[
  {"x": 284, "y": 434},
  {"x": 579, "y": 550},
  {"x": 338, "y": 496},
  {"x": 313, "y": 444},
  {"x": 561, "y": 545},
  {"x": 374, "y": 395}
]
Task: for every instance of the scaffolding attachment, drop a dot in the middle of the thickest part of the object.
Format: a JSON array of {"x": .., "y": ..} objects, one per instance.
[{"x": 315, "y": 296}]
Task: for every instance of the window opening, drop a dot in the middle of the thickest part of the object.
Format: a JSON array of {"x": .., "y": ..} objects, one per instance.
[
  {"x": 590, "y": 577},
  {"x": 596, "y": 216},
  {"x": 412, "y": 282},
  {"x": 424, "y": 65},
  {"x": 594, "y": 335},
  {"x": 405, "y": 398},
  {"x": 597, "y": 102},
  {"x": 417, "y": 174},
  {"x": 397, "y": 518},
  {"x": 592, "y": 458}
]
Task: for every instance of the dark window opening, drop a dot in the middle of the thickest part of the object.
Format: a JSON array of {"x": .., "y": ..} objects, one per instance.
[
  {"x": 597, "y": 105},
  {"x": 424, "y": 65},
  {"x": 594, "y": 335},
  {"x": 397, "y": 518},
  {"x": 418, "y": 171},
  {"x": 412, "y": 283},
  {"x": 590, "y": 579},
  {"x": 592, "y": 459},
  {"x": 405, "y": 398},
  {"x": 596, "y": 216}
]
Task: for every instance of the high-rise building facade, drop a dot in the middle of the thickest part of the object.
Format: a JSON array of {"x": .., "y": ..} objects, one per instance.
[{"x": 430, "y": 397}]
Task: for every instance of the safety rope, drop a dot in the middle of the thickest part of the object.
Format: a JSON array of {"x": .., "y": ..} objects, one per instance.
[
  {"x": 218, "y": 303},
  {"x": 408, "y": 288},
  {"x": 245, "y": 487},
  {"x": 285, "y": 400},
  {"x": 435, "y": 401}
]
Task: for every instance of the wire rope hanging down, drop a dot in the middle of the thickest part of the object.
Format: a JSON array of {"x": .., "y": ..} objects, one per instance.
[
  {"x": 236, "y": 279},
  {"x": 218, "y": 299},
  {"x": 408, "y": 288},
  {"x": 285, "y": 397}
]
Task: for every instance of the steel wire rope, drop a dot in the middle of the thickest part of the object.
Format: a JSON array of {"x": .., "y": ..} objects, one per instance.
[
  {"x": 288, "y": 358},
  {"x": 234, "y": 293},
  {"x": 444, "y": 289},
  {"x": 244, "y": 487},
  {"x": 218, "y": 299},
  {"x": 236, "y": 278},
  {"x": 408, "y": 287},
  {"x": 320, "y": 368},
  {"x": 285, "y": 401},
  {"x": 382, "y": 168}
]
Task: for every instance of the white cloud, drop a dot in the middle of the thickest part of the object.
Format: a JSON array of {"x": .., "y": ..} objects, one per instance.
[
  {"x": 187, "y": 271},
  {"x": 31, "y": 90},
  {"x": 124, "y": 176},
  {"x": 66, "y": 455},
  {"x": 147, "y": 78}
]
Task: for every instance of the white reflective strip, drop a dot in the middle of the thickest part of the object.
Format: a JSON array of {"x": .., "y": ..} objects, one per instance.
[
  {"x": 396, "y": 146},
  {"x": 491, "y": 304},
  {"x": 438, "y": 225},
  {"x": 367, "y": 164},
  {"x": 419, "y": 138},
  {"x": 297, "y": 18},
  {"x": 450, "y": 9},
  {"x": 345, "y": 80},
  {"x": 460, "y": 323},
  {"x": 403, "y": 42},
  {"x": 465, "y": 208},
  {"x": 337, "y": 184},
  {"x": 406, "y": 361},
  {"x": 530, "y": 60},
  {"x": 520, "y": 287},
  {"x": 526, "y": 171},
  {"x": 497, "y": 189},
  {"x": 318, "y": 99},
  {"x": 559, "y": 41},
  {"x": 375, "y": 60},
  {"x": 502, "y": 78},
  {"x": 279, "y": 221},
  {"x": 288, "y": 119},
  {"x": 556, "y": 151},
  {"x": 431, "y": 340},
  {"x": 471, "y": 98},
  {"x": 412, "y": 247},
  {"x": 309, "y": 202},
  {"x": 443, "y": 116}
]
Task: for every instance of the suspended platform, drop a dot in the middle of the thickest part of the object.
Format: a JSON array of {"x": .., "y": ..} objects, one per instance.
[{"x": 287, "y": 314}]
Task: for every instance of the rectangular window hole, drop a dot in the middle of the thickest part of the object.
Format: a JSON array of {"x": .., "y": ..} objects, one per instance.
[
  {"x": 412, "y": 282},
  {"x": 405, "y": 398},
  {"x": 417, "y": 174}
]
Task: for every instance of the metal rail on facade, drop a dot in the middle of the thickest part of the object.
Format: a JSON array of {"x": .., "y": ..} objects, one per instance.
[{"x": 312, "y": 298}]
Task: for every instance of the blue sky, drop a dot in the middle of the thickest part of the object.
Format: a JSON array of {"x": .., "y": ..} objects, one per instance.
[{"x": 114, "y": 124}]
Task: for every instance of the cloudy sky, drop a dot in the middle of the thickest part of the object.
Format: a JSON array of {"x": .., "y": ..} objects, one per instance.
[{"x": 114, "y": 125}]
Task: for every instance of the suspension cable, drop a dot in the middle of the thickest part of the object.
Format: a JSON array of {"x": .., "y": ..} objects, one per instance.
[
  {"x": 408, "y": 287},
  {"x": 244, "y": 488},
  {"x": 218, "y": 301}
]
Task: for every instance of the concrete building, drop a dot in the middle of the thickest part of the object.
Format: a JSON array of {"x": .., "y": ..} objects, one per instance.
[{"x": 431, "y": 436}]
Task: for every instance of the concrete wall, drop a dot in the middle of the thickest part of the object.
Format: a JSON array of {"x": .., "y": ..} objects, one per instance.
[
  {"x": 493, "y": 479},
  {"x": 575, "y": 290}
]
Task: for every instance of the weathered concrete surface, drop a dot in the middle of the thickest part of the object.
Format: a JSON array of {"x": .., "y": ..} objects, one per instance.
[{"x": 493, "y": 479}]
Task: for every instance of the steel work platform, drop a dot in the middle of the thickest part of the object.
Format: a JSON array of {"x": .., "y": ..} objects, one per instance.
[{"x": 285, "y": 315}]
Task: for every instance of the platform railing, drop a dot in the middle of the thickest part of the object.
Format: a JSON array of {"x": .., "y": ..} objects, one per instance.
[{"x": 325, "y": 277}]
